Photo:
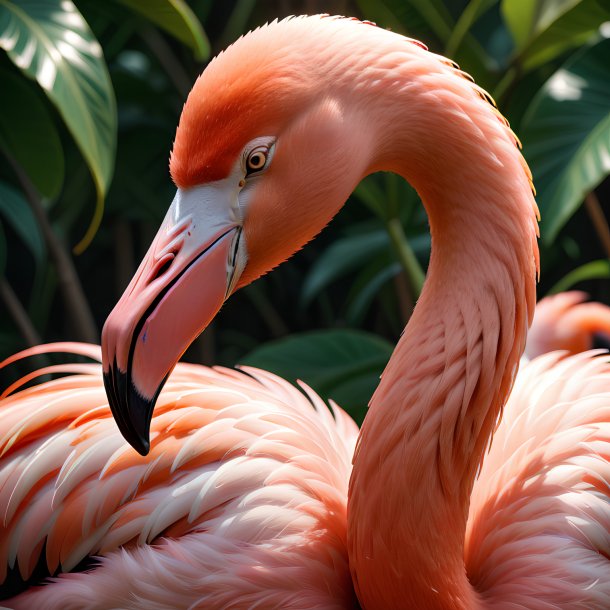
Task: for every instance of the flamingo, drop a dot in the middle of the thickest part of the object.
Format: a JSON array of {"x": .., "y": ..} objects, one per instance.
[
  {"x": 242, "y": 483},
  {"x": 565, "y": 321}
]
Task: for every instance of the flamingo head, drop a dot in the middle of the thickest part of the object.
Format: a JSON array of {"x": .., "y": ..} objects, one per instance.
[{"x": 265, "y": 154}]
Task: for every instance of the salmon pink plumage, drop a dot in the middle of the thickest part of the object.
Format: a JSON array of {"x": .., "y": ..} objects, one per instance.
[{"x": 240, "y": 503}]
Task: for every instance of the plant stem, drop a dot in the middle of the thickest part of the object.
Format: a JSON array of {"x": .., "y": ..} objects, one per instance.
[
  {"x": 69, "y": 282},
  {"x": 405, "y": 255},
  {"x": 599, "y": 221},
  {"x": 405, "y": 298},
  {"x": 19, "y": 314}
]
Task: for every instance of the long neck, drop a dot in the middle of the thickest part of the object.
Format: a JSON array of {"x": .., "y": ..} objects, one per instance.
[{"x": 442, "y": 392}]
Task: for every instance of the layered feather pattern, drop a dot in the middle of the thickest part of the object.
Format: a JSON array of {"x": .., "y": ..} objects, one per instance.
[
  {"x": 538, "y": 534},
  {"x": 240, "y": 503}
]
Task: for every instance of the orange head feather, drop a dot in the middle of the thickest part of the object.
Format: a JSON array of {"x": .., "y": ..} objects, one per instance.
[{"x": 272, "y": 83}]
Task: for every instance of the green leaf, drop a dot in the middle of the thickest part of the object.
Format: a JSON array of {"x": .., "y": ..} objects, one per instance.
[
  {"x": 435, "y": 13},
  {"x": 176, "y": 18},
  {"x": 519, "y": 17},
  {"x": 344, "y": 365},
  {"x": 544, "y": 29},
  {"x": 572, "y": 29},
  {"x": 370, "y": 193},
  {"x": 52, "y": 43},
  {"x": 406, "y": 257},
  {"x": 595, "y": 270},
  {"x": 28, "y": 134},
  {"x": 16, "y": 211},
  {"x": 469, "y": 16},
  {"x": 371, "y": 282},
  {"x": 566, "y": 135},
  {"x": 341, "y": 257}
]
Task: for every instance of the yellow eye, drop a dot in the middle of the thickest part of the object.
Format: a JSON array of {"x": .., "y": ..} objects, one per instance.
[{"x": 256, "y": 160}]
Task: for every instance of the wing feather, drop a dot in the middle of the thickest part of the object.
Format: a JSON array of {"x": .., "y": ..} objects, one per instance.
[
  {"x": 539, "y": 523},
  {"x": 242, "y": 459}
]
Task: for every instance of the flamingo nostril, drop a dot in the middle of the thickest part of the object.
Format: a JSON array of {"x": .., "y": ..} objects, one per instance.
[{"x": 162, "y": 267}]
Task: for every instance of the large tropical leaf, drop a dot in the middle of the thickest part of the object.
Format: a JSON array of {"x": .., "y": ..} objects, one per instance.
[
  {"x": 28, "y": 134},
  {"x": 471, "y": 13},
  {"x": 543, "y": 29},
  {"x": 15, "y": 211},
  {"x": 566, "y": 135},
  {"x": 175, "y": 17},
  {"x": 388, "y": 196},
  {"x": 367, "y": 287},
  {"x": 350, "y": 253},
  {"x": 344, "y": 255},
  {"x": 344, "y": 365},
  {"x": 51, "y": 42}
]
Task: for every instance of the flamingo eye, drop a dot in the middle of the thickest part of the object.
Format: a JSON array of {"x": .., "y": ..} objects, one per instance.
[{"x": 256, "y": 160}]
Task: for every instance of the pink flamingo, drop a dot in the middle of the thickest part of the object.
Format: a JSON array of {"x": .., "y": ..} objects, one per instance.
[
  {"x": 243, "y": 490},
  {"x": 566, "y": 322}
]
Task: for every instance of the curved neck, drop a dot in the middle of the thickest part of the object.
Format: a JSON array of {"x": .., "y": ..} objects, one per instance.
[{"x": 442, "y": 392}]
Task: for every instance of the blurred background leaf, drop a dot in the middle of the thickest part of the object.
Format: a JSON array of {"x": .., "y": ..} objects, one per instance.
[
  {"x": 544, "y": 29},
  {"x": 342, "y": 364},
  {"x": 342, "y": 257},
  {"x": 175, "y": 17},
  {"x": 589, "y": 271},
  {"x": 15, "y": 211},
  {"x": 28, "y": 134}
]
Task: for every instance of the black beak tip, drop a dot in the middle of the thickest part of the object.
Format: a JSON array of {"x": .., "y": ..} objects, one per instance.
[
  {"x": 142, "y": 446},
  {"x": 131, "y": 411},
  {"x": 140, "y": 411}
]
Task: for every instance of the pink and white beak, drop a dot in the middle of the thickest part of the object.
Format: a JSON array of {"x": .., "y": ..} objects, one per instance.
[{"x": 190, "y": 269}]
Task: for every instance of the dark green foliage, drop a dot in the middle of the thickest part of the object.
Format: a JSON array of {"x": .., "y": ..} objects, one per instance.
[{"x": 343, "y": 364}]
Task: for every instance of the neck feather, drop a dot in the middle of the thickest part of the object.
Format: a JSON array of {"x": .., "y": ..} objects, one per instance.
[{"x": 442, "y": 392}]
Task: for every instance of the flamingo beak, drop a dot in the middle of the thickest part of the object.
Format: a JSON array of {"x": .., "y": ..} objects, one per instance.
[{"x": 189, "y": 270}]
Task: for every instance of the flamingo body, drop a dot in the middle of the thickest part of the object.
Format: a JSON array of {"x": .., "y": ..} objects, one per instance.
[
  {"x": 538, "y": 532},
  {"x": 240, "y": 504}
]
